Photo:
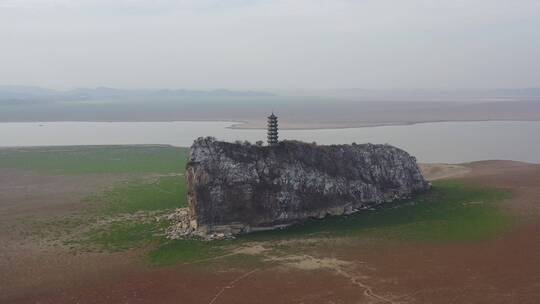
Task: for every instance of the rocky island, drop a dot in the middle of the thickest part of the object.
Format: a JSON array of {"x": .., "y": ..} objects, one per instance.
[{"x": 236, "y": 188}]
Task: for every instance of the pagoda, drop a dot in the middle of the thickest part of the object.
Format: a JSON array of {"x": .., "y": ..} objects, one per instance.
[{"x": 272, "y": 130}]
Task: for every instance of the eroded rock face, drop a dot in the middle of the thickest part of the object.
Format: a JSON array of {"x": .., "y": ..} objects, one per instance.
[{"x": 236, "y": 188}]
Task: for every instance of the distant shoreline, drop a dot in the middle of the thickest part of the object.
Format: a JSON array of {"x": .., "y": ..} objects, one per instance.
[
  {"x": 429, "y": 142},
  {"x": 256, "y": 125},
  {"x": 252, "y": 126}
]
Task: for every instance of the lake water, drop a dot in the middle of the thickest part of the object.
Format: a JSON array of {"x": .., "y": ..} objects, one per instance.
[{"x": 450, "y": 142}]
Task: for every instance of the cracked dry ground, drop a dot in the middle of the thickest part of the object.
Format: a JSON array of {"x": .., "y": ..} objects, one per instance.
[{"x": 340, "y": 270}]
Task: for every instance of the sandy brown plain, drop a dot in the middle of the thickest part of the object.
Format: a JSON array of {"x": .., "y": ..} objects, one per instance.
[{"x": 505, "y": 269}]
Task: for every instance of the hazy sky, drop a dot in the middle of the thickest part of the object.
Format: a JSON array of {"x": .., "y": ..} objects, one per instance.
[{"x": 239, "y": 44}]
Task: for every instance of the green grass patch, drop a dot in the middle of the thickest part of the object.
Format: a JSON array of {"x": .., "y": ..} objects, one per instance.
[
  {"x": 129, "y": 230},
  {"x": 96, "y": 159},
  {"x": 109, "y": 222},
  {"x": 121, "y": 235},
  {"x": 163, "y": 193},
  {"x": 451, "y": 211}
]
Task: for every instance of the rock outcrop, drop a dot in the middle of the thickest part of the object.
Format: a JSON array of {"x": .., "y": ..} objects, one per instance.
[{"x": 239, "y": 188}]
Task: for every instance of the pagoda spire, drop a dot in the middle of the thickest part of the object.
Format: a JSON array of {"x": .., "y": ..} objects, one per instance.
[{"x": 272, "y": 129}]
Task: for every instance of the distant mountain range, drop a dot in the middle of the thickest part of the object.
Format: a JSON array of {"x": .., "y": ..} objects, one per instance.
[
  {"x": 21, "y": 95},
  {"x": 363, "y": 94},
  {"x": 28, "y": 94},
  {"x": 296, "y": 109}
]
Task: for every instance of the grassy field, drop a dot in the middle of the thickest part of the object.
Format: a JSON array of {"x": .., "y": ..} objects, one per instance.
[
  {"x": 161, "y": 193},
  {"x": 96, "y": 159},
  {"x": 154, "y": 185},
  {"x": 157, "y": 183},
  {"x": 124, "y": 216},
  {"x": 451, "y": 211},
  {"x": 130, "y": 210}
]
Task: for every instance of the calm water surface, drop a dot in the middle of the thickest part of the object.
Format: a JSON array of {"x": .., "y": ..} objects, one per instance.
[{"x": 451, "y": 142}]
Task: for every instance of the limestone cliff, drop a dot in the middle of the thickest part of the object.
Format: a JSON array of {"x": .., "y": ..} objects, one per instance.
[{"x": 238, "y": 188}]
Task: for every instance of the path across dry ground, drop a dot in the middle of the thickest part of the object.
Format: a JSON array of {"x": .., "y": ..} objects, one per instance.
[{"x": 502, "y": 270}]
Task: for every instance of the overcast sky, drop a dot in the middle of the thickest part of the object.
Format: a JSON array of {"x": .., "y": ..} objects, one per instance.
[{"x": 253, "y": 44}]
